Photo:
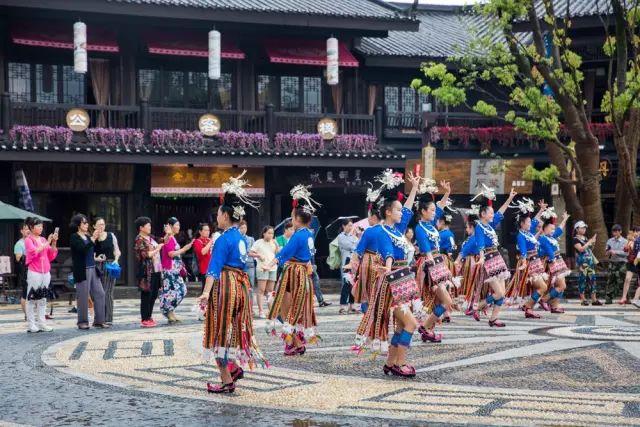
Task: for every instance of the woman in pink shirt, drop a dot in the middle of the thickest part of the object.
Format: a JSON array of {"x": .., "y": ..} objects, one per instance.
[
  {"x": 174, "y": 274},
  {"x": 39, "y": 254}
]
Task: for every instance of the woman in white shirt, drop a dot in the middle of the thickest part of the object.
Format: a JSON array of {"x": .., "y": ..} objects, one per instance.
[{"x": 265, "y": 250}]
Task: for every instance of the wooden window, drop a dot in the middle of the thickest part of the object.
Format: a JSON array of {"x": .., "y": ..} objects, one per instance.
[
  {"x": 46, "y": 83},
  {"x": 290, "y": 93}
]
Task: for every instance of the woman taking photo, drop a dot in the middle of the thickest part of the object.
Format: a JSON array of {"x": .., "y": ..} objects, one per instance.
[
  {"x": 84, "y": 273},
  {"x": 39, "y": 254},
  {"x": 107, "y": 251},
  {"x": 265, "y": 250},
  {"x": 586, "y": 263},
  {"x": 149, "y": 270},
  {"x": 202, "y": 246},
  {"x": 174, "y": 273}
]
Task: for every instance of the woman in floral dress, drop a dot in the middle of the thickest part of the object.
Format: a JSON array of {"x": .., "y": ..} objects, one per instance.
[{"x": 174, "y": 273}]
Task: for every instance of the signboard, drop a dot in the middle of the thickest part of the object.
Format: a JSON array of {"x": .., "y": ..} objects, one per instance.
[
  {"x": 605, "y": 168},
  {"x": 78, "y": 120},
  {"x": 488, "y": 172},
  {"x": 327, "y": 128},
  {"x": 463, "y": 179},
  {"x": 209, "y": 124},
  {"x": 428, "y": 161},
  {"x": 201, "y": 181}
]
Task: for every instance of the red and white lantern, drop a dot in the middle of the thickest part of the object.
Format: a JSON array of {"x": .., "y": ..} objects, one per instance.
[
  {"x": 332, "y": 61},
  {"x": 80, "y": 47}
]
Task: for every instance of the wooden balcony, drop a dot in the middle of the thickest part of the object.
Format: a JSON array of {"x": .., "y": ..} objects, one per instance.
[{"x": 145, "y": 117}]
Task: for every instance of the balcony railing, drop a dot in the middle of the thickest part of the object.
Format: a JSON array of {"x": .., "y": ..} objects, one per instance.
[{"x": 148, "y": 118}]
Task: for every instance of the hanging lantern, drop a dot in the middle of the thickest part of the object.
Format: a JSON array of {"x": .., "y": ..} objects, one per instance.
[
  {"x": 80, "y": 47},
  {"x": 332, "y": 61},
  {"x": 214, "y": 55}
]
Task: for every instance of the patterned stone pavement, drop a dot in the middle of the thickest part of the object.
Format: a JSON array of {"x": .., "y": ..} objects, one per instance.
[{"x": 576, "y": 368}]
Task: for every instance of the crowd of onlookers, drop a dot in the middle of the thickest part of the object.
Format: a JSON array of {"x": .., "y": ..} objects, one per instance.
[{"x": 162, "y": 270}]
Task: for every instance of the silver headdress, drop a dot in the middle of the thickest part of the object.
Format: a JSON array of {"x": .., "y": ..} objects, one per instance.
[
  {"x": 389, "y": 179},
  {"x": 301, "y": 193},
  {"x": 428, "y": 185},
  {"x": 234, "y": 189},
  {"x": 525, "y": 206},
  {"x": 236, "y": 186},
  {"x": 486, "y": 192},
  {"x": 549, "y": 213}
]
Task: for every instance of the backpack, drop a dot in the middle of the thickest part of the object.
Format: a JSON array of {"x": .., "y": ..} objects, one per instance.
[{"x": 334, "y": 260}]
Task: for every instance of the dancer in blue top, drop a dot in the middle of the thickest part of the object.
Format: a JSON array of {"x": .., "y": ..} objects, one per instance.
[
  {"x": 365, "y": 260},
  {"x": 467, "y": 262},
  {"x": 529, "y": 278},
  {"x": 293, "y": 301},
  {"x": 396, "y": 291},
  {"x": 495, "y": 271},
  {"x": 228, "y": 329},
  {"x": 556, "y": 266},
  {"x": 433, "y": 273}
]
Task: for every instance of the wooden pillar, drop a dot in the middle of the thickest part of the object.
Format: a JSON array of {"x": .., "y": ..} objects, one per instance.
[
  {"x": 138, "y": 204},
  {"x": 128, "y": 43},
  {"x": 4, "y": 37}
]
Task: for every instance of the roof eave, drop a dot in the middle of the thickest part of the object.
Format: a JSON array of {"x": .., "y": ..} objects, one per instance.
[{"x": 217, "y": 15}]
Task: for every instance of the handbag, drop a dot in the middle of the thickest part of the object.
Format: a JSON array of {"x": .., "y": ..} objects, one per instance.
[{"x": 404, "y": 288}]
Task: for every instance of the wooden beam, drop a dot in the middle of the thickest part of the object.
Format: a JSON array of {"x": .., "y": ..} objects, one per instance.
[
  {"x": 163, "y": 159},
  {"x": 217, "y": 15}
]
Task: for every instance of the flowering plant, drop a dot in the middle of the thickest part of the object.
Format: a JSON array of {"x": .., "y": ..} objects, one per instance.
[
  {"x": 297, "y": 142},
  {"x": 111, "y": 138},
  {"x": 41, "y": 135},
  {"x": 176, "y": 139},
  {"x": 355, "y": 142},
  {"x": 243, "y": 140}
]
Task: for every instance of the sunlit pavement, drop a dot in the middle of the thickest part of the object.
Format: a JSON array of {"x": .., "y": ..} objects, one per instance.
[{"x": 576, "y": 368}]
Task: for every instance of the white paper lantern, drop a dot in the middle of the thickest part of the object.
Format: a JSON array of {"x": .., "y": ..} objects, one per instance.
[
  {"x": 80, "y": 47},
  {"x": 214, "y": 55},
  {"x": 332, "y": 61}
]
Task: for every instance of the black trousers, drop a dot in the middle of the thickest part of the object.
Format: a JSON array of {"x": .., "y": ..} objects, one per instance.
[{"x": 148, "y": 298}]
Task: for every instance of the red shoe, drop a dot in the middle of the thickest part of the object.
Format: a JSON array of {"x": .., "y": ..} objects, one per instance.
[
  {"x": 476, "y": 315},
  {"x": 623, "y": 301},
  {"x": 221, "y": 388},
  {"x": 237, "y": 373},
  {"x": 557, "y": 310},
  {"x": 469, "y": 312},
  {"x": 544, "y": 305},
  {"x": 290, "y": 350},
  {"x": 406, "y": 371},
  {"x": 431, "y": 337},
  {"x": 145, "y": 324},
  {"x": 496, "y": 324},
  {"x": 301, "y": 350},
  {"x": 48, "y": 316},
  {"x": 529, "y": 314},
  {"x": 387, "y": 369}
]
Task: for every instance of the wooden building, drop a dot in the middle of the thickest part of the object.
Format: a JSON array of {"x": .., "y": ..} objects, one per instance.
[{"x": 147, "y": 87}]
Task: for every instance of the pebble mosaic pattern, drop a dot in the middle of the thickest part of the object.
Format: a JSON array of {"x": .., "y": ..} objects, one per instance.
[{"x": 571, "y": 369}]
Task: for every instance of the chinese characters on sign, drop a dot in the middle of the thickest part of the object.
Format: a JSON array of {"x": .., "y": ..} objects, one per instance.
[
  {"x": 209, "y": 125},
  {"x": 327, "y": 128},
  {"x": 78, "y": 120}
]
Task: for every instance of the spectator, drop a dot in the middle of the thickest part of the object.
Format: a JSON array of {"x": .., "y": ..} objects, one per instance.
[
  {"x": 250, "y": 266},
  {"x": 617, "y": 263},
  {"x": 84, "y": 273},
  {"x": 346, "y": 243},
  {"x": 39, "y": 254},
  {"x": 265, "y": 250},
  {"x": 107, "y": 251},
  {"x": 282, "y": 239},
  {"x": 174, "y": 273},
  {"x": 409, "y": 235},
  {"x": 586, "y": 263},
  {"x": 148, "y": 271},
  {"x": 632, "y": 237},
  {"x": 19, "y": 252},
  {"x": 202, "y": 246}
]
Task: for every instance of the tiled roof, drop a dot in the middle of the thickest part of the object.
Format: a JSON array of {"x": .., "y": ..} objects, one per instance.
[
  {"x": 343, "y": 8},
  {"x": 442, "y": 31}
]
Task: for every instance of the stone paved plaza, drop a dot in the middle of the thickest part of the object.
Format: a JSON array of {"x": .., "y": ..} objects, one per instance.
[{"x": 579, "y": 368}]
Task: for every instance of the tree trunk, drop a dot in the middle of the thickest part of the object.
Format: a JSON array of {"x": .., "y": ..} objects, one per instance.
[
  {"x": 568, "y": 191},
  {"x": 627, "y": 150},
  {"x": 588, "y": 157}
]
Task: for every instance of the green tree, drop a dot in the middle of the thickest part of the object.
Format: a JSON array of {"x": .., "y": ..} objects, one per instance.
[{"x": 525, "y": 56}]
